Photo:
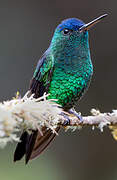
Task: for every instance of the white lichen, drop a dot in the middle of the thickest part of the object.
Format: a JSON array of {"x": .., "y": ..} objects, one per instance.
[{"x": 27, "y": 113}]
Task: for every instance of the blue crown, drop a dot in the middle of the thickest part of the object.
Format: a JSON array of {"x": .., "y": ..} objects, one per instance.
[{"x": 71, "y": 23}]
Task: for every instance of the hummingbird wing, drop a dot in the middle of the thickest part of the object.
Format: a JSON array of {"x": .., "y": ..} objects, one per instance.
[
  {"x": 32, "y": 145},
  {"x": 42, "y": 75}
]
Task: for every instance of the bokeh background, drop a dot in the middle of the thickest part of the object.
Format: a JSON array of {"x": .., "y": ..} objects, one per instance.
[{"x": 26, "y": 28}]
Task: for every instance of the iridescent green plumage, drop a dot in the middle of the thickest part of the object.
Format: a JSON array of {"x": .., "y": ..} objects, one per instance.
[{"x": 73, "y": 70}]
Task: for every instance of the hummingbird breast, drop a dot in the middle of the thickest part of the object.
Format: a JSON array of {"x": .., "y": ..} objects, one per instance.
[{"x": 69, "y": 82}]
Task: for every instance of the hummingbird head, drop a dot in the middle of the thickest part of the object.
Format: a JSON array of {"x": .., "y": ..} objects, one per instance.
[
  {"x": 67, "y": 33},
  {"x": 71, "y": 37}
]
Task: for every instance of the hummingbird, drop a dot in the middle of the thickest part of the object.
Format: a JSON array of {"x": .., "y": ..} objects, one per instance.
[{"x": 64, "y": 72}]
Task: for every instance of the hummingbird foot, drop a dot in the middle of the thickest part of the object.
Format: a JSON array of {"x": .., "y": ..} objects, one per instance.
[
  {"x": 67, "y": 121},
  {"x": 71, "y": 111}
]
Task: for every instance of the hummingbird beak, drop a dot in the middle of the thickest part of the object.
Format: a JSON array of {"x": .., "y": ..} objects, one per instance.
[{"x": 92, "y": 23}]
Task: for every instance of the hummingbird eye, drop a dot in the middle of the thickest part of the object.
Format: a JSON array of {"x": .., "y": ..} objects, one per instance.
[{"x": 66, "y": 31}]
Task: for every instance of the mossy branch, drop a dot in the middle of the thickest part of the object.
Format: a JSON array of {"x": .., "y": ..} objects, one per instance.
[{"x": 28, "y": 113}]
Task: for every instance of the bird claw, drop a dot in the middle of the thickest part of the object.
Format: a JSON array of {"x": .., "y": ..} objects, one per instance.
[
  {"x": 76, "y": 114},
  {"x": 67, "y": 121}
]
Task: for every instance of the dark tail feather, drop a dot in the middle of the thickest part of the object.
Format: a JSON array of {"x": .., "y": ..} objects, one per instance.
[
  {"x": 43, "y": 141},
  {"x": 32, "y": 145},
  {"x": 21, "y": 147}
]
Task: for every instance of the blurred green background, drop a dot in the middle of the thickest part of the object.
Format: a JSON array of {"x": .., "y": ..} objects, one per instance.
[{"x": 26, "y": 28}]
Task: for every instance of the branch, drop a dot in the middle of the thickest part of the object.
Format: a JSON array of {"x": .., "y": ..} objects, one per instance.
[{"x": 29, "y": 114}]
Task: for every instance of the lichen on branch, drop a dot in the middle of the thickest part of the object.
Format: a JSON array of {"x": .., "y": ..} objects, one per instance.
[{"x": 28, "y": 113}]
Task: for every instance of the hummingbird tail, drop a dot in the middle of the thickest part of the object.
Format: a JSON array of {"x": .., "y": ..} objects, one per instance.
[{"x": 34, "y": 144}]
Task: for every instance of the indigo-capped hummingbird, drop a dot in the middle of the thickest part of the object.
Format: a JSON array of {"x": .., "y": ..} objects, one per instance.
[{"x": 64, "y": 72}]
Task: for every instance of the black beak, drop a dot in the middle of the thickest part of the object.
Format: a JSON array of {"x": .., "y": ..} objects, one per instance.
[{"x": 92, "y": 23}]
